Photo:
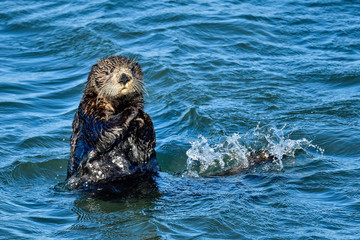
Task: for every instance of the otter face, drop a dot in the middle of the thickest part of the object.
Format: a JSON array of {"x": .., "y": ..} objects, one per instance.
[{"x": 115, "y": 77}]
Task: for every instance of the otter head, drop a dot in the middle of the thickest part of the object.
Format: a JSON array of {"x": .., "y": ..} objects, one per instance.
[{"x": 116, "y": 79}]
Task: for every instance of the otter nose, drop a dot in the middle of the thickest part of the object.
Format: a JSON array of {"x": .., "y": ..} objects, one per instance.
[{"x": 124, "y": 78}]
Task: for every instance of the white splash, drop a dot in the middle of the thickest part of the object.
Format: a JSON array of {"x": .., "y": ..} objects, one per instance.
[{"x": 234, "y": 150}]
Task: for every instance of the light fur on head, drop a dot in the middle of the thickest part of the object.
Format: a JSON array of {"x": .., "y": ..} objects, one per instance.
[{"x": 104, "y": 78}]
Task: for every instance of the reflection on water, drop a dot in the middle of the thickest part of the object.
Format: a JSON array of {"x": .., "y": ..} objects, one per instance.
[{"x": 117, "y": 218}]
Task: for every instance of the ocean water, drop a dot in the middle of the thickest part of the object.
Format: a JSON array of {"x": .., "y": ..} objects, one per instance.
[{"x": 224, "y": 78}]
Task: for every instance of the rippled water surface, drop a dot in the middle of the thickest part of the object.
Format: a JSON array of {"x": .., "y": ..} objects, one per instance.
[{"x": 223, "y": 78}]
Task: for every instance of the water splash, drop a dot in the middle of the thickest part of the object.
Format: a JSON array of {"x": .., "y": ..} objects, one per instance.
[{"x": 235, "y": 151}]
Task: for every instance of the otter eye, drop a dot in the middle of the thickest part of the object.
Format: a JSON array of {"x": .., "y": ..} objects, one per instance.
[
  {"x": 108, "y": 72},
  {"x": 133, "y": 70}
]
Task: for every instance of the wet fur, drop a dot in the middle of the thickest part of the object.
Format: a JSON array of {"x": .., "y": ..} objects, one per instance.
[
  {"x": 254, "y": 159},
  {"x": 113, "y": 138}
]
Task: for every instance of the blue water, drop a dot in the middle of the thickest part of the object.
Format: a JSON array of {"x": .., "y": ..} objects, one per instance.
[{"x": 224, "y": 77}]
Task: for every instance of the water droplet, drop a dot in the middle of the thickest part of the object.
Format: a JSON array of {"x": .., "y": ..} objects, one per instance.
[{"x": 234, "y": 150}]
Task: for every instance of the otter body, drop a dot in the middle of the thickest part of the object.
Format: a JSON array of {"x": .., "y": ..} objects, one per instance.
[
  {"x": 113, "y": 139},
  {"x": 254, "y": 159}
]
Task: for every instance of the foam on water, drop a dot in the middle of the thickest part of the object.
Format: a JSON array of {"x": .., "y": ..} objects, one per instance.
[{"x": 232, "y": 151}]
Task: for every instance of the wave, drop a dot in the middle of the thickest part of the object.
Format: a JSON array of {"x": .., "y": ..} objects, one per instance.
[
  {"x": 235, "y": 151},
  {"x": 33, "y": 173}
]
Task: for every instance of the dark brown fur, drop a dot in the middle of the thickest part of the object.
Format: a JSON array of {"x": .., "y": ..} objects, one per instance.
[
  {"x": 113, "y": 137},
  {"x": 254, "y": 159}
]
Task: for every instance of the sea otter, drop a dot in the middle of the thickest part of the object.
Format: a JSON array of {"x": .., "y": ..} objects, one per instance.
[
  {"x": 255, "y": 158},
  {"x": 113, "y": 140}
]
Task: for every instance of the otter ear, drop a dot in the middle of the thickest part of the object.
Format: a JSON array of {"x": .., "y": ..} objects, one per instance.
[
  {"x": 91, "y": 83},
  {"x": 92, "y": 71}
]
